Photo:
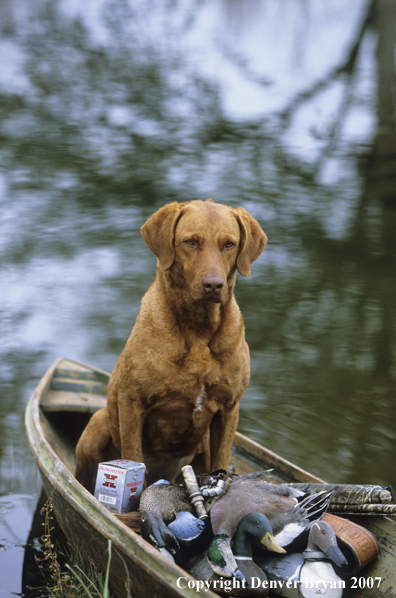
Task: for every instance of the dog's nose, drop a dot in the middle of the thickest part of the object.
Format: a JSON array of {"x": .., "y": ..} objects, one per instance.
[{"x": 212, "y": 283}]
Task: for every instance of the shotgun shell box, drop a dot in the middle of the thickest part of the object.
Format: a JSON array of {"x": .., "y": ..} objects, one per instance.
[{"x": 119, "y": 485}]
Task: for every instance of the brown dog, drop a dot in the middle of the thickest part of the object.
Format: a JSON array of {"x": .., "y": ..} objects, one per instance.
[{"x": 173, "y": 396}]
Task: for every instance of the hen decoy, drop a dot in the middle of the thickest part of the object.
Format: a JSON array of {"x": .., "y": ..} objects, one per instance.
[{"x": 167, "y": 518}]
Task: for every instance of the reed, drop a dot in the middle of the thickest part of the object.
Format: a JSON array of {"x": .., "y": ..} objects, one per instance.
[{"x": 77, "y": 578}]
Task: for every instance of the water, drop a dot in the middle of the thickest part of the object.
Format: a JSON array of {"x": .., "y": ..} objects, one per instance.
[{"x": 112, "y": 109}]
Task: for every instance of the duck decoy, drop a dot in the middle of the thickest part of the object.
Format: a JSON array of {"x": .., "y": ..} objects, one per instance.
[
  {"x": 220, "y": 560},
  {"x": 167, "y": 518},
  {"x": 307, "y": 574},
  {"x": 154, "y": 530},
  {"x": 165, "y": 500},
  {"x": 289, "y": 510}
]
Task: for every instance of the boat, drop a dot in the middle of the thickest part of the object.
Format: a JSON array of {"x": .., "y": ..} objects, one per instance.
[{"x": 57, "y": 412}]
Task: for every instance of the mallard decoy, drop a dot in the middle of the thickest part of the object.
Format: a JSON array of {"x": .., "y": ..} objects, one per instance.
[
  {"x": 167, "y": 518},
  {"x": 309, "y": 573},
  {"x": 279, "y": 502},
  {"x": 220, "y": 560}
]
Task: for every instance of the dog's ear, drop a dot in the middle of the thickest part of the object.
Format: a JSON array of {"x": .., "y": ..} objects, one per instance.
[
  {"x": 159, "y": 233},
  {"x": 253, "y": 241}
]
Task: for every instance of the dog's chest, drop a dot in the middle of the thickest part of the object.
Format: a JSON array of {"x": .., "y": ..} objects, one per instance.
[
  {"x": 197, "y": 378},
  {"x": 208, "y": 399},
  {"x": 207, "y": 376},
  {"x": 200, "y": 366},
  {"x": 198, "y": 403}
]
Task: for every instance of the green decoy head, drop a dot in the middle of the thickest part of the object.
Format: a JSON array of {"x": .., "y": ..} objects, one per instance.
[
  {"x": 218, "y": 550},
  {"x": 221, "y": 558},
  {"x": 254, "y": 527}
]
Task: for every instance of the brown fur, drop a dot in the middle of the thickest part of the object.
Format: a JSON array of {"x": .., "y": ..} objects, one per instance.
[{"x": 173, "y": 396}]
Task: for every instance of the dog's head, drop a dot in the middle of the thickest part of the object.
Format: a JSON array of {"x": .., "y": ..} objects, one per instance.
[{"x": 203, "y": 243}]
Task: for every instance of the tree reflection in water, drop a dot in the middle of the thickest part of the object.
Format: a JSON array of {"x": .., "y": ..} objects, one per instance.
[{"x": 110, "y": 110}]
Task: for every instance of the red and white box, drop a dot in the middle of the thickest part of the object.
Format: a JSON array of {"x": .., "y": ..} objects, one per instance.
[{"x": 119, "y": 485}]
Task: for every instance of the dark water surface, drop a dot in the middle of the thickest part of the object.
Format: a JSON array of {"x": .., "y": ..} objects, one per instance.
[{"x": 111, "y": 109}]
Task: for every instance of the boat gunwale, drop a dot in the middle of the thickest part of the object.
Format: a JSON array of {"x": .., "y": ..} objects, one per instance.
[
  {"x": 243, "y": 443},
  {"x": 123, "y": 538}
]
